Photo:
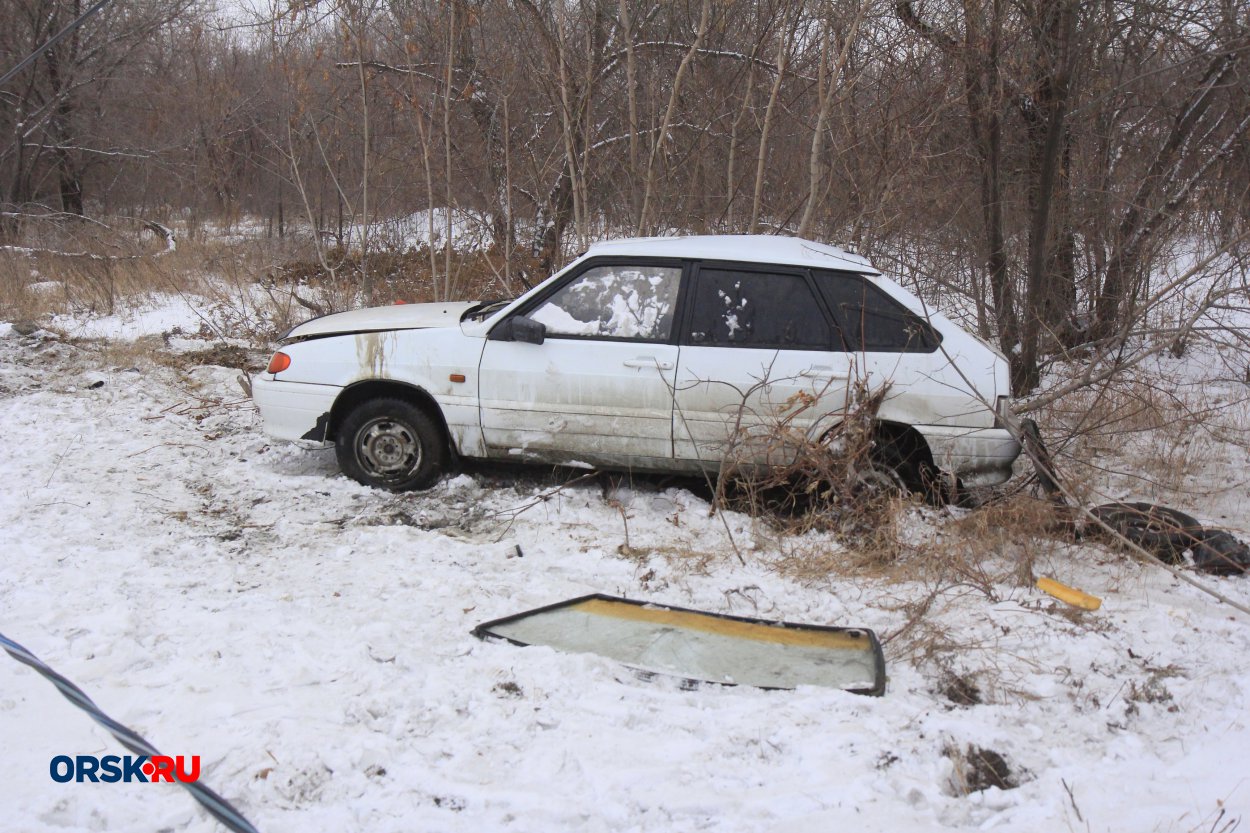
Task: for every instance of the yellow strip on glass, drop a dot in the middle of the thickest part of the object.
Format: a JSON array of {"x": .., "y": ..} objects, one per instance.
[{"x": 756, "y": 631}]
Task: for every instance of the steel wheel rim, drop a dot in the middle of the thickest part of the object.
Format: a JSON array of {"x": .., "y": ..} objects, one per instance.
[
  {"x": 880, "y": 481},
  {"x": 388, "y": 448}
]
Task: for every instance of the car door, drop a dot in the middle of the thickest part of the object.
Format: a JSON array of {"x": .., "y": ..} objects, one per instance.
[
  {"x": 598, "y": 389},
  {"x": 757, "y": 365},
  {"x": 892, "y": 345}
]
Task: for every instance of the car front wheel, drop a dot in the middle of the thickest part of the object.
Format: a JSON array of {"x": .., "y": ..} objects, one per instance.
[{"x": 391, "y": 444}]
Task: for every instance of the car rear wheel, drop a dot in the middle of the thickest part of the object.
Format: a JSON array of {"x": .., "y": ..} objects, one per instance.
[
  {"x": 391, "y": 444},
  {"x": 879, "y": 479}
]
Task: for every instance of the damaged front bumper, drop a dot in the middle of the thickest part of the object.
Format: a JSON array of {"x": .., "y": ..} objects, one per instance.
[{"x": 294, "y": 410}]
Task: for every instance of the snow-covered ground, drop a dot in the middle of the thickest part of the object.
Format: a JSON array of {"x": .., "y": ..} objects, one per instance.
[{"x": 238, "y": 599}]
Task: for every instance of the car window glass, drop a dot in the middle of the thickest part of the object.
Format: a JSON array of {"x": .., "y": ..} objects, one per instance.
[
  {"x": 631, "y": 302},
  {"x": 872, "y": 321},
  {"x": 757, "y": 309}
]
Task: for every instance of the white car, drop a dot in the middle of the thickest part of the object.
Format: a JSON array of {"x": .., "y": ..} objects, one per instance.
[{"x": 644, "y": 354}]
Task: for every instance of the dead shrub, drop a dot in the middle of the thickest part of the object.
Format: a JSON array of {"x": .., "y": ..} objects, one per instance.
[
  {"x": 398, "y": 275},
  {"x": 1015, "y": 532},
  {"x": 1140, "y": 432},
  {"x": 775, "y": 471}
]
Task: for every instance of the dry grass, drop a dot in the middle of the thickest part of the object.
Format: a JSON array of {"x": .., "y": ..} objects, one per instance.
[
  {"x": 985, "y": 549},
  {"x": 1143, "y": 435},
  {"x": 829, "y": 513},
  {"x": 679, "y": 559},
  {"x": 399, "y": 275},
  {"x": 39, "y": 285},
  {"x": 247, "y": 288}
]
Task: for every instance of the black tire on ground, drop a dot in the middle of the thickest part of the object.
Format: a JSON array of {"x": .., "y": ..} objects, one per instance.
[
  {"x": 391, "y": 444},
  {"x": 1164, "y": 532},
  {"x": 1219, "y": 553}
]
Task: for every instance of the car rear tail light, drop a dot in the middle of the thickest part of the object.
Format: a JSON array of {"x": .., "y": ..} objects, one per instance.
[{"x": 279, "y": 362}]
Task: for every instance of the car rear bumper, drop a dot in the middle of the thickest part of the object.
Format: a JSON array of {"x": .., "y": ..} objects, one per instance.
[
  {"x": 293, "y": 410},
  {"x": 977, "y": 456}
]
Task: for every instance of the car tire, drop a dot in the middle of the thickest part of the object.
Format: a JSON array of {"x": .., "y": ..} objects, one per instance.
[
  {"x": 878, "y": 480},
  {"x": 1165, "y": 532},
  {"x": 1219, "y": 553},
  {"x": 391, "y": 444},
  {"x": 888, "y": 467}
]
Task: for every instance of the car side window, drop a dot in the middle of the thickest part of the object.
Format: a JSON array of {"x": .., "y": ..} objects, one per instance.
[
  {"x": 756, "y": 309},
  {"x": 618, "y": 301},
  {"x": 870, "y": 320}
]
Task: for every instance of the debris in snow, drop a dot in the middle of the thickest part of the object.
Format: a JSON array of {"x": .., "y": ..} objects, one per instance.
[
  {"x": 977, "y": 769},
  {"x": 1068, "y": 595},
  {"x": 1165, "y": 533},
  {"x": 702, "y": 647}
]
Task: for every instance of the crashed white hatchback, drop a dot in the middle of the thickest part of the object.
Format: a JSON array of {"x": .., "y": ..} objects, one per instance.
[{"x": 644, "y": 354}]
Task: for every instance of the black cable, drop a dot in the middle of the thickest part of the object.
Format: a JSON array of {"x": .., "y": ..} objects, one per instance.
[
  {"x": 216, "y": 806},
  {"x": 53, "y": 41}
]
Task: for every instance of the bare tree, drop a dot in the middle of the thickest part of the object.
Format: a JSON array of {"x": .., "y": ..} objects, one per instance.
[{"x": 49, "y": 122}]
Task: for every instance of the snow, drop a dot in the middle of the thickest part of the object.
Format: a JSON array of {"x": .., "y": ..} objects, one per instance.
[
  {"x": 755, "y": 248},
  {"x": 470, "y": 231},
  {"x": 154, "y": 314},
  {"x": 45, "y": 288},
  {"x": 236, "y": 598}
]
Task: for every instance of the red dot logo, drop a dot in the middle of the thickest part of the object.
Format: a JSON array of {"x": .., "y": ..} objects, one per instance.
[{"x": 148, "y": 768}]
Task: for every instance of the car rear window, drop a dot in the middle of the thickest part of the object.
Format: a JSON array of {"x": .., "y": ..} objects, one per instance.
[
  {"x": 735, "y": 308},
  {"x": 870, "y": 320}
]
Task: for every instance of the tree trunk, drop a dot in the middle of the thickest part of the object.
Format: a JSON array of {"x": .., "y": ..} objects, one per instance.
[
  {"x": 761, "y": 159},
  {"x": 979, "y": 55},
  {"x": 1049, "y": 140}
]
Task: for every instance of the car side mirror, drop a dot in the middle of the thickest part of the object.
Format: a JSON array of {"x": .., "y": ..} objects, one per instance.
[
  {"x": 528, "y": 330},
  {"x": 520, "y": 328}
]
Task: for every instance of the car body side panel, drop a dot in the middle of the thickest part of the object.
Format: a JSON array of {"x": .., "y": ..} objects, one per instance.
[
  {"x": 743, "y": 401},
  {"x": 930, "y": 388},
  {"x": 428, "y": 359},
  {"x": 977, "y": 456},
  {"x": 599, "y": 402}
]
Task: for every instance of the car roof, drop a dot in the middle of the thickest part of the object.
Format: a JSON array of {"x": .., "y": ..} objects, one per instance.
[{"x": 750, "y": 248}]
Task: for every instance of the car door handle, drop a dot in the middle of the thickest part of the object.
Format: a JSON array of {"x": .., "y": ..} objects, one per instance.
[
  {"x": 821, "y": 372},
  {"x": 648, "y": 361}
]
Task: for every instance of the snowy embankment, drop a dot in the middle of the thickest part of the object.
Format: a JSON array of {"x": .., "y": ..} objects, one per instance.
[{"x": 236, "y": 598}]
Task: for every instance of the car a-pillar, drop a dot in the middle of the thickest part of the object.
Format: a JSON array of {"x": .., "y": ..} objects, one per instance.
[{"x": 390, "y": 436}]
